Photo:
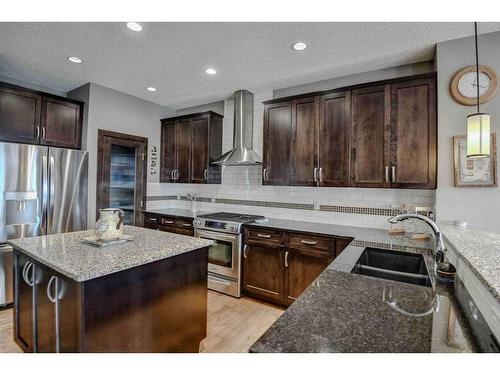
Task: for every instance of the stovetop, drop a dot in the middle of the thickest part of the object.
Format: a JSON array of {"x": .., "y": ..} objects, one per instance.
[{"x": 230, "y": 216}]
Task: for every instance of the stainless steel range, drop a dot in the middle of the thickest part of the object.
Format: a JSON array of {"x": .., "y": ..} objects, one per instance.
[{"x": 224, "y": 257}]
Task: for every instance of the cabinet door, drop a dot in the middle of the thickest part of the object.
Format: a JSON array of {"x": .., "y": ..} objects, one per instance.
[
  {"x": 23, "y": 303},
  {"x": 19, "y": 115},
  {"x": 183, "y": 135},
  {"x": 199, "y": 159},
  {"x": 46, "y": 327},
  {"x": 277, "y": 139},
  {"x": 61, "y": 123},
  {"x": 335, "y": 120},
  {"x": 263, "y": 272},
  {"x": 303, "y": 151},
  {"x": 413, "y": 134},
  {"x": 168, "y": 155},
  {"x": 369, "y": 133},
  {"x": 302, "y": 268}
]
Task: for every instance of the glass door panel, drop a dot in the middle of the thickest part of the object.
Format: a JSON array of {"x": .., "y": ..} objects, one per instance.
[
  {"x": 123, "y": 180},
  {"x": 221, "y": 253}
]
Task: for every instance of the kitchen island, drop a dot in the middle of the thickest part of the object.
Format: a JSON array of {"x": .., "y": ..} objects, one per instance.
[{"x": 147, "y": 295}]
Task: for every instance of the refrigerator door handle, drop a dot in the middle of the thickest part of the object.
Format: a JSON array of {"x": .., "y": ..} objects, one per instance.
[
  {"x": 45, "y": 193},
  {"x": 50, "y": 212}
]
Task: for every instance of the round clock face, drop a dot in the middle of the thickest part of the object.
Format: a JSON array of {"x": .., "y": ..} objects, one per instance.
[{"x": 467, "y": 84}]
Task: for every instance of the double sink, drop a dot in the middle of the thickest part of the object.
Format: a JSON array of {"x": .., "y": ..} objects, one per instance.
[{"x": 393, "y": 265}]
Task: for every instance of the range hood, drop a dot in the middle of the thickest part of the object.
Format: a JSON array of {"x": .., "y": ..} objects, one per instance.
[{"x": 242, "y": 152}]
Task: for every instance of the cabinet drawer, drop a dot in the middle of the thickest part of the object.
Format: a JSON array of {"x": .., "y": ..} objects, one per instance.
[
  {"x": 311, "y": 242},
  {"x": 265, "y": 236},
  {"x": 175, "y": 221},
  {"x": 151, "y": 219}
]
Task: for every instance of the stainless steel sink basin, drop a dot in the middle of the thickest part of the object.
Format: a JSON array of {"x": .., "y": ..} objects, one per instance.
[{"x": 393, "y": 265}]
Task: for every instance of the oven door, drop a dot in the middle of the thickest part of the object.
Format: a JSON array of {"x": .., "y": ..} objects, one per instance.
[{"x": 224, "y": 255}]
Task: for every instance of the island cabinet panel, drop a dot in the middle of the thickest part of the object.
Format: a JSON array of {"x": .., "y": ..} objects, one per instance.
[
  {"x": 276, "y": 168},
  {"x": 189, "y": 144},
  {"x": 304, "y": 158},
  {"x": 279, "y": 265},
  {"x": 157, "y": 307},
  {"x": 369, "y": 149},
  {"x": 335, "y": 119},
  {"x": 413, "y": 134},
  {"x": 28, "y": 116},
  {"x": 24, "y": 303}
]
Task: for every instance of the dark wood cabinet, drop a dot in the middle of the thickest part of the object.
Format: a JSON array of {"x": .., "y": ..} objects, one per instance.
[
  {"x": 279, "y": 265},
  {"x": 378, "y": 135},
  {"x": 28, "y": 116},
  {"x": 169, "y": 223},
  {"x": 334, "y": 131},
  {"x": 277, "y": 142},
  {"x": 25, "y": 302},
  {"x": 264, "y": 272},
  {"x": 61, "y": 123},
  {"x": 303, "y": 155},
  {"x": 189, "y": 144},
  {"x": 413, "y": 134},
  {"x": 370, "y": 124}
]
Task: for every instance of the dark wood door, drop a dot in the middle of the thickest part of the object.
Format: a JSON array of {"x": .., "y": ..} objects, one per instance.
[
  {"x": 334, "y": 124},
  {"x": 23, "y": 303},
  {"x": 46, "y": 314},
  {"x": 199, "y": 159},
  {"x": 413, "y": 134},
  {"x": 61, "y": 123},
  {"x": 19, "y": 115},
  {"x": 303, "y": 153},
  {"x": 277, "y": 141},
  {"x": 264, "y": 272},
  {"x": 122, "y": 174},
  {"x": 302, "y": 268},
  {"x": 168, "y": 155},
  {"x": 183, "y": 134},
  {"x": 369, "y": 136}
]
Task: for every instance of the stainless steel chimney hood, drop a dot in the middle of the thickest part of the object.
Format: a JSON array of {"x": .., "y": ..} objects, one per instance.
[{"x": 242, "y": 152}]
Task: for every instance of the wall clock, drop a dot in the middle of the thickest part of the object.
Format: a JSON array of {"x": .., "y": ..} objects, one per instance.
[{"x": 463, "y": 85}]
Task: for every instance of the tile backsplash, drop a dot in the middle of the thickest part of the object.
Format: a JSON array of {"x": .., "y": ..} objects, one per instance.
[{"x": 242, "y": 191}]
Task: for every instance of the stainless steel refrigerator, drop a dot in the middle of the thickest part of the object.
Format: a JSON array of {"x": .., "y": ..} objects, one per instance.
[{"x": 43, "y": 190}]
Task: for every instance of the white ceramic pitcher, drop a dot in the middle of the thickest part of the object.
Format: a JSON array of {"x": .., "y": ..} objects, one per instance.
[{"x": 110, "y": 224}]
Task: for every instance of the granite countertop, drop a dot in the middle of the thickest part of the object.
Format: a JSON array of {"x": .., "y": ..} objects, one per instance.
[
  {"x": 81, "y": 262},
  {"x": 345, "y": 312},
  {"x": 481, "y": 252}
]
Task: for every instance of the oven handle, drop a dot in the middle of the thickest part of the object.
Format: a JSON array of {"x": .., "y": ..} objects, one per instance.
[{"x": 215, "y": 235}]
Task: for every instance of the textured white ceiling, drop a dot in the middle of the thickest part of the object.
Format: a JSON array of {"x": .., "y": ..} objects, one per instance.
[{"x": 173, "y": 56}]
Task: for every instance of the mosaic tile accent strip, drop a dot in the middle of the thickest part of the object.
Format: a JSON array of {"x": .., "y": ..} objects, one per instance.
[
  {"x": 361, "y": 210},
  {"x": 293, "y": 206}
]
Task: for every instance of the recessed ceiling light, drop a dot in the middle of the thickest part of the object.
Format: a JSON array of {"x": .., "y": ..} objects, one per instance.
[
  {"x": 134, "y": 26},
  {"x": 299, "y": 46},
  {"x": 75, "y": 59},
  {"x": 211, "y": 71},
  {"x": 151, "y": 89}
]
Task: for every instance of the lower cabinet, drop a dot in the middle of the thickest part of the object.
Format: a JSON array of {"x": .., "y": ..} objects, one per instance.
[
  {"x": 278, "y": 265},
  {"x": 45, "y": 310},
  {"x": 172, "y": 224},
  {"x": 263, "y": 272}
]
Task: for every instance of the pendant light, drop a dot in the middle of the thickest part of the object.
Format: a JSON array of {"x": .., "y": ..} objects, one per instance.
[{"x": 478, "y": 124}]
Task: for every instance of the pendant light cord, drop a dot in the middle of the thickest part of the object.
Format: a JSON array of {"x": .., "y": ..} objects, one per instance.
[{"x": 477, "y": 66}]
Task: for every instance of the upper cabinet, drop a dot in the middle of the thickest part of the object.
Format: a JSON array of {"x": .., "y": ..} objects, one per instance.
[
  {"x": 189, "y": 144},
  {"x": 381, "y": 135},
  {"x": 28, "y": 116}
]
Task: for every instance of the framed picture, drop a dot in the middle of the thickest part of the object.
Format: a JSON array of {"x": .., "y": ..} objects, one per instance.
[{"x": 471, "y": 172}]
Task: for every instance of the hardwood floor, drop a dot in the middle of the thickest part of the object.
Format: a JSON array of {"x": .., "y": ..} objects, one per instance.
[{"x": 233, "y": 324}]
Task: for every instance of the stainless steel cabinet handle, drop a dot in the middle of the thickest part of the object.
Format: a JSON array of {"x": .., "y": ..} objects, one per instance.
[
  {"x": 245, "y": 251},
  {"x": 152, "y": 219},
  {"x": 205, "y": 174},
  {"x": 308, "y": 242},
  {"x": 393, "y": 169},
  {"x": 321, "y": 174},
  {"x": 167, "y": 221},
  {"x": 172, "y": 174},
  {"x": 37, "y": 132},
  {"x": 387, "y": 174},
  {"x": 43, "y": 132},
  {"x": 49, "y": 291},
  {"x": 286, "y": 258},
  {"x": 263, "y": 235},
  {"x": 186, "y": 225},
  {"x": 176, "y": 174},
  {"x": 264, "y": 174},
  {"x": 315, "y": 173},
  {"x": 26, "y": 269}
]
